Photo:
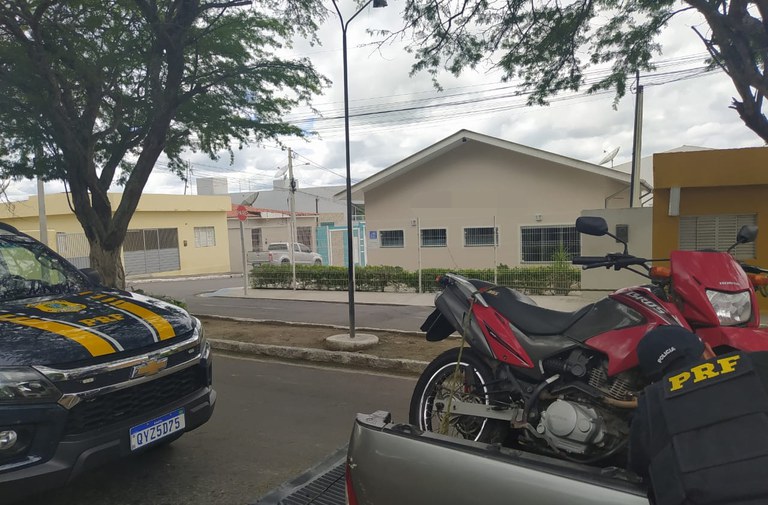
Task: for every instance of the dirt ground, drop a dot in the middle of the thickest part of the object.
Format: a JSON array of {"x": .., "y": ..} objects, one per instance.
[{"x": 391, "y": 345}]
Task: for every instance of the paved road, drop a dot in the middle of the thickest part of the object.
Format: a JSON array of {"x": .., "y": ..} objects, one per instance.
[
  {"x": 397, "y": 317},
  {"x": 272, "y": 421}
]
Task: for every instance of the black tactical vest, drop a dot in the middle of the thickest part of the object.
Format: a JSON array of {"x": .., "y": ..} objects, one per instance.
[{"x": 715, "y": 416}]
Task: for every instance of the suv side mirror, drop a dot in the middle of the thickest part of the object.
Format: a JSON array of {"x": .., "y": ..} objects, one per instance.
[
  {"x": 93, "y": 275},
  {"x": 592, "y": 225},
  {"x": 747, "y": 233}
]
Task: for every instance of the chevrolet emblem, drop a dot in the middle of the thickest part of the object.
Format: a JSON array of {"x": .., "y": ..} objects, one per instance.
[{"x": 148, "y": 368}]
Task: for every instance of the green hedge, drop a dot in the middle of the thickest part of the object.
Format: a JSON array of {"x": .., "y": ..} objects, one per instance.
[{"x": 558, "y": 278}]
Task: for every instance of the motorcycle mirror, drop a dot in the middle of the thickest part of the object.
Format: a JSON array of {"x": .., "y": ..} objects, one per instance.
[
  {"x": 747, "y": 233},
  {"x": 592, "y": 225}
]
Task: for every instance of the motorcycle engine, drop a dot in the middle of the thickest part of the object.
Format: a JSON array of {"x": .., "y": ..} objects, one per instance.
[{"x": 571, "y": 427}]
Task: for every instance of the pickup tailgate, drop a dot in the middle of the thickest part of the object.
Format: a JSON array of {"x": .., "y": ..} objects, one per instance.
[
  {"x": 323, "y": 484},
  {"x": 396, "y": 463}
]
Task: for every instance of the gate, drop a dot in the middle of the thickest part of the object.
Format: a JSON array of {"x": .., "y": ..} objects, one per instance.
[
  {"x": 75, "y": 248},
  {"x": 151, "y": 250}
]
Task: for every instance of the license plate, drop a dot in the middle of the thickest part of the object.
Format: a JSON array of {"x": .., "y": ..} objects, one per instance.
[{"x": 156, "y": 429}]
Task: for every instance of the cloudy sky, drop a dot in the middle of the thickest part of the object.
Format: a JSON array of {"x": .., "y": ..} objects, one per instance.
[{"x": 692, "y": 111}]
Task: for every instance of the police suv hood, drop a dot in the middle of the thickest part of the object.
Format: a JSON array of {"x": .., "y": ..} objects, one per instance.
[{"x": 87, "y": 326}]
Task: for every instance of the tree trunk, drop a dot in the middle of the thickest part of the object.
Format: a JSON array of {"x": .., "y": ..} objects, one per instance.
[{"x": 109, "y": 264}]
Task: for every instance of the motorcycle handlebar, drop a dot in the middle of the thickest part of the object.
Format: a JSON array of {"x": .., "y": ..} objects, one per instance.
[
  {"x": 752, "y": 269},
  {"x": 611, "y": 260},
  {"x": 588, "y": 260},
  {"x": 599, "y": 264}
]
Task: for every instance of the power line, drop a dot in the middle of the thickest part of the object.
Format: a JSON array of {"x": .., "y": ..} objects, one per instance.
[{"x": 415, "y": 113}]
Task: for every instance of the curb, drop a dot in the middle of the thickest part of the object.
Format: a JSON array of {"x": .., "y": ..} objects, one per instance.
[
  {"x": 353, "y": 359},
  {"x": 309, "y": 325}
]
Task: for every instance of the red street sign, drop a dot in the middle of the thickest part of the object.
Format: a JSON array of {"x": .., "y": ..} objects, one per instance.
[{"x": 242, "y": 213}]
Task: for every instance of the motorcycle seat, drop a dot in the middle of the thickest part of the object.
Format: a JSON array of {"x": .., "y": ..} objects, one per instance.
[{"x": 528, "y": 317}]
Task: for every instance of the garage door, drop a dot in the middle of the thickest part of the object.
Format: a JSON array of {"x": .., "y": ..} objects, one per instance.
[{"x": 151, "y": 250}]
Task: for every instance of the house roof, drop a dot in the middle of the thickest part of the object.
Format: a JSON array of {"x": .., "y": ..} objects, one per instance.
[
  {"x": 309, "y": 199},
  {"x": 257, "y": 212},
  {"x": 460, "y": 138}
]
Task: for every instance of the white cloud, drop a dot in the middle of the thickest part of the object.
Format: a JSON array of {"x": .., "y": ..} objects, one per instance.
[{"x": 692, "y": 112}]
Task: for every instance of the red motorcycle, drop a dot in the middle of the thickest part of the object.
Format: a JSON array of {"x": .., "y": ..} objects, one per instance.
[{"x": 565, "y": 383}]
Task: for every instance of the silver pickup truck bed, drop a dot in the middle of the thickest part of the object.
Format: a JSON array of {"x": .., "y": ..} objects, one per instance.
[{"x": 392, "y": 464}]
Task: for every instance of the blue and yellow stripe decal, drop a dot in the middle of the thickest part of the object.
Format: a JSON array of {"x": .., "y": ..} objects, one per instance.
[
  {"x": 160, "y": 324},
  {"x": 94, "y": 342}
]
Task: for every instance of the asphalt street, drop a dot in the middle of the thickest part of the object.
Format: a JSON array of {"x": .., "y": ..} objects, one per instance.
[
  {"x": 398, "y": 317},
  {"x": 272, "y": 421}
]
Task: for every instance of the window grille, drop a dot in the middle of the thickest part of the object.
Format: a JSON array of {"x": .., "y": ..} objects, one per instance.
[
  {"x": 480, "y": 237},
  {"x": 304, "y": 235},
  {"x": 392, "y": 238},
  {"x": 541, "y": 244},
  {"x": 434, "y": 237},
  {"x": 205, "y": 236},
  {"x": 256, "y": 239},
  {"x": 716, "y": 232}
]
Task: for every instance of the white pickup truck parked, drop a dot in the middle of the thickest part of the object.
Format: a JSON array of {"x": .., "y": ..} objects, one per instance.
[{"x": 279, "y": 253}]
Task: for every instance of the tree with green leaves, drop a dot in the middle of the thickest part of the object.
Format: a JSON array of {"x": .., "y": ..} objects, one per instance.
[
  {"x": 548, "y": 44},
  {"x": 92, "y": 92}
]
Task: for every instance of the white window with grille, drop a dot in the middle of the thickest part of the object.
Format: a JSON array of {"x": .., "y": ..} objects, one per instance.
[
  {"x": 481, "y": 236},
  {"x": 205, "y": 236},
  {"x": 543, "y": 244},
  {"x": 392, "y": 238},
  {"x": 716, "y": 232},
  {"x": 256, "y": 239},
  {"x": 434, "y": 237},
  {"x": 304, "y": 235}
]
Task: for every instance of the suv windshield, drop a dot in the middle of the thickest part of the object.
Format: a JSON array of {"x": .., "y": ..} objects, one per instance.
[{"x": 28, "y": 269}]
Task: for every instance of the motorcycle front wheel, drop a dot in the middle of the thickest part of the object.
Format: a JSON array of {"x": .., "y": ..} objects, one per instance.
[{"x": 438, "y": 382}]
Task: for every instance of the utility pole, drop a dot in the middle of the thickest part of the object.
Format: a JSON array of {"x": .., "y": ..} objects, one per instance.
[
  {"x": 292, "y": 184},
  {"x": 186, "y": 179},
  {"x": 41, "y": 211},
  {"x": 637, "y": 142},
  {"x": 41, "y": 196}
]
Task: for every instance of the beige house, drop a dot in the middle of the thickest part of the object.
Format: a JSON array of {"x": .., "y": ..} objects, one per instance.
[
  {"x": 440, "y": 206},
  {"x": 168, "y": 235}
]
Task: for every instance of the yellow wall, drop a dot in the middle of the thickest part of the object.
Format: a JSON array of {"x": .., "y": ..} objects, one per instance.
[
  {"x": 727, "y": 181},
  {"x": 154, "y": 211}
]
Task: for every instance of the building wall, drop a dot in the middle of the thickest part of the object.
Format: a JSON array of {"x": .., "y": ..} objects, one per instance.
[
  {"x": 727, "y": 181},
  {"x": 154, "y": 211},
  {"x": 470, "y": 187}
]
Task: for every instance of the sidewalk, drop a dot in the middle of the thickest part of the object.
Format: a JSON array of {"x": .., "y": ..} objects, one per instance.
[{"x": 568, "y": 303}]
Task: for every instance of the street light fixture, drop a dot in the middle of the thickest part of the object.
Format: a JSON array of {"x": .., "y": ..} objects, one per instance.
[{"x": 350, "y": 252}]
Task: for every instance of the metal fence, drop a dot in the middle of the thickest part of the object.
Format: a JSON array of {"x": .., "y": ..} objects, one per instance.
[{"x": 75, "y": 248}]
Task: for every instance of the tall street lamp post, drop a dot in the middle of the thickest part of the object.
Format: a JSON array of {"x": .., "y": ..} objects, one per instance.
[{"x": 350, "y": 252}]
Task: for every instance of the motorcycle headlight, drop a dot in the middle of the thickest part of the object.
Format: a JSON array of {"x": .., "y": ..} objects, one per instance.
[
  {"x": 731, "y": 308},
  {"x": 22, "y": 384}
]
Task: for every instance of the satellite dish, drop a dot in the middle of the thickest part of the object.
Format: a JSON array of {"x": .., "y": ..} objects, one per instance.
[
  {"x": 609, "y": 157},
  {"x": 248, "y": 201},
  {"x": 281, "y": 172}
]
